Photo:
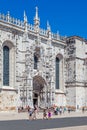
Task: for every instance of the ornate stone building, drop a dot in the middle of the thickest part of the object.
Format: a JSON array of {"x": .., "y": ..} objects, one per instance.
[{"x": 39, "y": 67}]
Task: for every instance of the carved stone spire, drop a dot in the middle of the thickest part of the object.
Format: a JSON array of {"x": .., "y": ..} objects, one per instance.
[
  {"x": 36, "y": 20},
  {"x": 48, "y": 26},
  {"x": 36, "y": 13},
  {"x": 25, "y": 21},
  {"x": 48, "y": 30},
  {"x": 58, "y": 36},
  {"x": 8, "y": 16}
]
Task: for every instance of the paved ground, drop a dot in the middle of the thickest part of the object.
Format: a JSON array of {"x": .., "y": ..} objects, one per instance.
[
  {"x": 19, "y": 121},
  {"x": 24, "y": 116},
  {"x": 70, "y": 128}
]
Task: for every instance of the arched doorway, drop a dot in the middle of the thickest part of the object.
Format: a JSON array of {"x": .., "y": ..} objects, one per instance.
[{"x": 38, "y": 85}]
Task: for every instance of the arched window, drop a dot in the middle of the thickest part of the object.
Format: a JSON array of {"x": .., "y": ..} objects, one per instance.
[
  {"x": 57, "y": 73},
  {"x": 35, "y": 61},
  {"x": 5, "y": 66}
]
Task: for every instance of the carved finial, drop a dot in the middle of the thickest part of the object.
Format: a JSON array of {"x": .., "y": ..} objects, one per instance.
[
  {"x": 25, "y": 17},
  {"x": 25, "y": 21},
  {"x": 58, "y": 35},
  {"x": 36, "y": 16},
  {"x": 36, "y": 20},
  {"x": 8, "y": 13},
  {"x": 8, "y": 16},
  {"x": 48, "y": 26}
]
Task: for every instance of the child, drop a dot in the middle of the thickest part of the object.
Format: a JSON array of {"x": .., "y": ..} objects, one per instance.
[{"x": 49, "y": 114}]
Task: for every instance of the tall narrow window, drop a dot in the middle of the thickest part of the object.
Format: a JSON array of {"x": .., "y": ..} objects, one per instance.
[
  {"x": 5, "y": 66},
  {"x": 35, "y": 61},
  {"x": 57, "y": 73}
]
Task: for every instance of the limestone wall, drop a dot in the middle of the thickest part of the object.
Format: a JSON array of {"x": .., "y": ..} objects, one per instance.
[
  {"x": 8, "y": 100},
  {"x": 80, "y": 48},
  {"x": 80, "y": 70},
  {"x": 60, "y": 99},
  {"x": 71, "y": 96},
  {"x": 80, "y": 97}
]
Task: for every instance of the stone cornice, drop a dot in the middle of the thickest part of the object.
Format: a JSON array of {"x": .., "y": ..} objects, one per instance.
[
  {"x": 9, "y": 89},
  {"x": 77, "y": 37},
  {"x": 10, "y": 26}
]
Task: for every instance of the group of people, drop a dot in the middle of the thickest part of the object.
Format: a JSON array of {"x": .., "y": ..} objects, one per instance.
[
  {"x": 47, "y": 112},
  {"x": 34, "y": 111},
  {"x": 59, "y": 110}
]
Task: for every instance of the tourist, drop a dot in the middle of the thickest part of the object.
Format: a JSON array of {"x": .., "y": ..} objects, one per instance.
[
  {"x": 30, "y": 111},
  {"x": 83, "y": 109},
  {"x": 64, "y": 109},
  {"x": 35, "y": 112},
  {"x": 60, "y": 110},
  {"x": 57, "y": 109},
  {"x": 69, "y": 109},
  {"x": 44, "y": 114},
  {"x": 49, "y": 114}
]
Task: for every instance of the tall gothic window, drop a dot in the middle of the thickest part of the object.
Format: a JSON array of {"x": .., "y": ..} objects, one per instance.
[
  {"x": 35, "y": 61},
  {"x": 5, "y": 66},
  {"x": 57, "y": 73}
]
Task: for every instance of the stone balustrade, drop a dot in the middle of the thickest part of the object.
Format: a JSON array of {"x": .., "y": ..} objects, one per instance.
[
  {"x": 7, "y": 18},
  {"x": 43, "y": 32},
  {"x": 30, "y": 27}
]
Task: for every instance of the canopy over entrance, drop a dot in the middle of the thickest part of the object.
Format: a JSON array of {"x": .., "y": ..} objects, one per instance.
[{"x": 38, "y": 83}]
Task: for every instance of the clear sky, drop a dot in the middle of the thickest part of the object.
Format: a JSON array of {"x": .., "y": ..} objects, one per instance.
[{"x": 69, "y": 17}]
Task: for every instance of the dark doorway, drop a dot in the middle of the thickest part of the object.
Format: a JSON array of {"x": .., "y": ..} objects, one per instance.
[
  {"x": 35, "y": 99},
  {"x": 35, "y": 102}
]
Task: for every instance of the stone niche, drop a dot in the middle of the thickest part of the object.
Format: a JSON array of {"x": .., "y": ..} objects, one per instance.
[{"x": 8, "y": 100}]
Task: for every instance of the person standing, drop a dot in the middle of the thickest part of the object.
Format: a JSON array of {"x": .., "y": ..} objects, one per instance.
[
  {"x": 35, "y": 112},
  {"x": 83, "y": 109},
  {"x": 60, "y": 110},
  {"x": 30, "y": 111},
  {"x": 49, "y": 114},
  {"x": 44, "y": 114}
]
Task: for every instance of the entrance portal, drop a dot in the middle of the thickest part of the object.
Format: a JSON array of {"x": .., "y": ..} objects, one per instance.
[{"x": 38, "y": 85}]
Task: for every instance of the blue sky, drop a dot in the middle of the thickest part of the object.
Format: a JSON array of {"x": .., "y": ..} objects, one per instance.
[{"x": 69, "y": 17}]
